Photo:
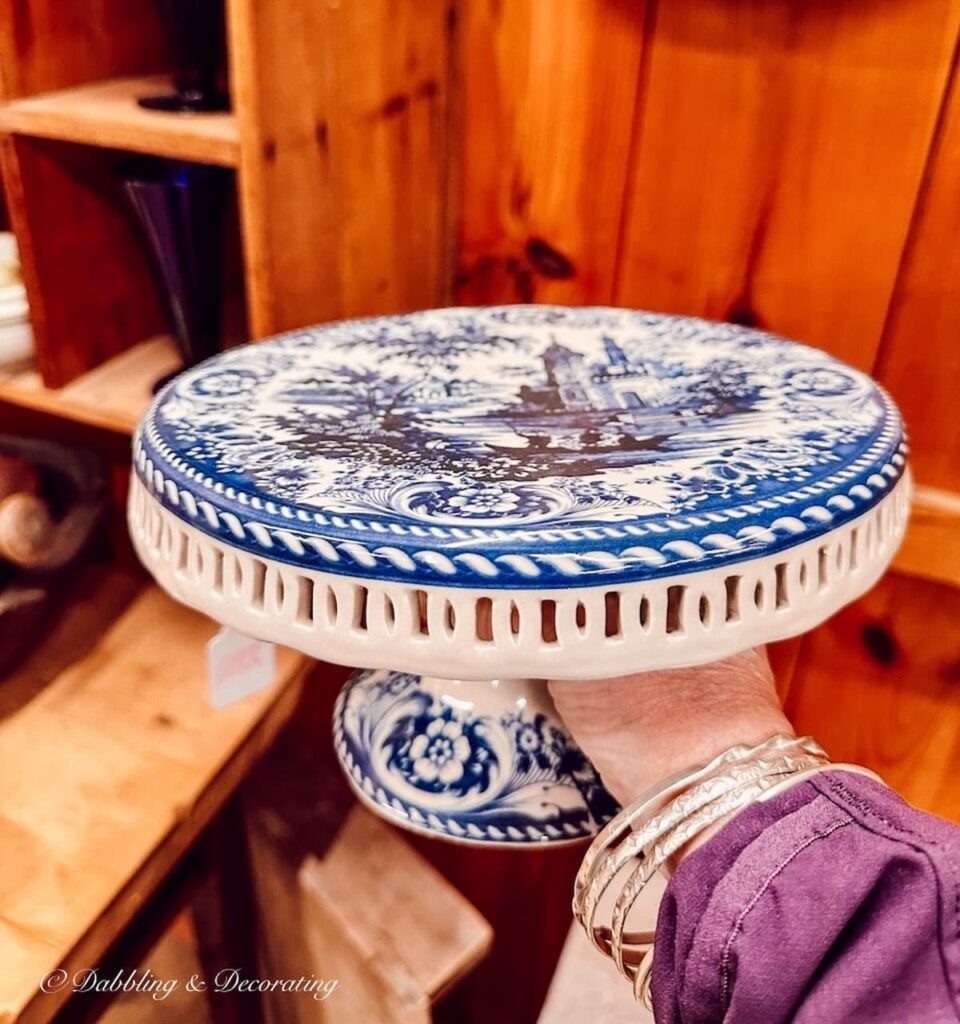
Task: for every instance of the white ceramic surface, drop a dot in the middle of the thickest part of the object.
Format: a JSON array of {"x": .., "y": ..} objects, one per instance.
[
  {"x": 481, "y": 763},
  {"x": 522, "y": 491}
]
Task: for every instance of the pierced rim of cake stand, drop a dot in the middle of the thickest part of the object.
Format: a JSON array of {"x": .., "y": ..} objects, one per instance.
[{"x": 563, "y": 633}]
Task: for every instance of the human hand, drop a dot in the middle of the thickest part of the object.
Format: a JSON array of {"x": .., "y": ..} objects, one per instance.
[{"x": 639, "y": 729}]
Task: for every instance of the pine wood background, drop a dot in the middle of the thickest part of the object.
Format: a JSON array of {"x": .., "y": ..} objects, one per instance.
[{"x": 791, "y": 164}]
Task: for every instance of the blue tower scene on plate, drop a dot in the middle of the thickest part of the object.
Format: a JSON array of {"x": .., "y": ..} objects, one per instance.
[{"x": 514, "y": 421}]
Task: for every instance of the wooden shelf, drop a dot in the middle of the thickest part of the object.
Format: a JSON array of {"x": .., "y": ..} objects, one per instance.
[
  {"x": 930, "y": 550},
  {"x": 112, "y": 396},
  {"x": 106, "y": 114},
  {"x": 118, "y": 761}
]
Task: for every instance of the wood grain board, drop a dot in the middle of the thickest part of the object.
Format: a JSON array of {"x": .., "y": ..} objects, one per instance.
[
  {"x": 880, "y": 685},
  {"x": 395, "y": 933},
  {"x": 931, "y": 548},
  {"x": 49, "y": 45},
  {"x": 109, "y": 773},
  {"x": 112, "y": 396},
  {"x": 919, "y": 358},
  {"x": 548, "y": 106},
  {"x": 403, "y": 908},
  {"x": 780, "y": 148},
  {"x": 107, "y": 114},
  {"x": 343, "y": 156}
]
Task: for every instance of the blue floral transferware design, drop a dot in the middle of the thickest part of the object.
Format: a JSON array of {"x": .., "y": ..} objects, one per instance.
[
  {"x": 520, "y": 446},
  {"x": 436, "y": 763}
]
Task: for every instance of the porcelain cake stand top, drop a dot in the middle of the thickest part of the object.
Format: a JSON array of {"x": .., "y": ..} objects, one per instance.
[{"x": 521, "y": 490}]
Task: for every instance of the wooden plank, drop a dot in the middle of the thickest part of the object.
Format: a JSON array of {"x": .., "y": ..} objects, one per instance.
[
  {"x": 92, "y": 600},
  {"x": 342, "y": 110},
  {"x": 404, "y": 908},
  {"x": 113, "y": 396},
  {"x": 107, "y": 114},
  {"x": 931, "y": 548},
  {"x": 877, "y": 685},
  {"x": 367, "y": 989},
  {"x": 919, "y": 359},
  {"x": 48, "y": 44},
  {"x": 780, "y": 150},
  {"x": 525, "y": 895},
  {"x": 91, "y": 288},
  {"x": 302, "y": 820},
  {"x": 379, "y": 919},
  {"x": 119, "y": 763},
  {"x": 549, "y": 92}
]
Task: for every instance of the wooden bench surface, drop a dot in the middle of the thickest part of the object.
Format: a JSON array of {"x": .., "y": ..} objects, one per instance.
[{"x": 112, "y": 761}]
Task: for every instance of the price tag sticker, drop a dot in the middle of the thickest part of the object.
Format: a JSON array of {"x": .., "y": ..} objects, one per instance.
[{"x": 238, "y": 666}]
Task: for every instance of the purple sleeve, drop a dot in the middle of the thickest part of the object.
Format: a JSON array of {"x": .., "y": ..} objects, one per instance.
[{"x": 834, "y": 902}]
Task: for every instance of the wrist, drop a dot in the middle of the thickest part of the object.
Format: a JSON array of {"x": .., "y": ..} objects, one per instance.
[{"x": 677, "y": 746}]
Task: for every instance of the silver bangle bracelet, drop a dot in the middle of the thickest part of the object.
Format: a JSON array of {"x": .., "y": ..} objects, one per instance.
[
  {"x": 641, "y": 970},
  {"x": 753, "y": 783},
  {"x": 616, "y": 845},
  {"x": 667, "y": 817},
  {"x": 658, "y": 796}
]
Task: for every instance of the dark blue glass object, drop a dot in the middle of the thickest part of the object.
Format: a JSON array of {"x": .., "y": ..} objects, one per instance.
[
  {"x": 196, "y": 32},
  {"x": 180, "y": 207}
]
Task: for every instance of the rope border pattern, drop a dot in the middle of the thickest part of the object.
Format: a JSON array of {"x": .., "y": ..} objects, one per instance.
[
  {"x": 469, "y": 567},
  {"x": 413, "y": 552}
]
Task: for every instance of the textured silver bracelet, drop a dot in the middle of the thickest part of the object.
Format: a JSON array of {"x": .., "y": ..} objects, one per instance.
[
  {"x": 652, "y": 819},
  {"x": 830, "y": 766},
  {"x": 739, "y": 787},
  {"x": 658, "y": 796},
  {"x": 644, "y": 949},
  {"x": 664, "y": 820}
]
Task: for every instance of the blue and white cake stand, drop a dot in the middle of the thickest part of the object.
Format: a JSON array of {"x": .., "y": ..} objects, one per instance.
[{"x": 468, "y": 501}]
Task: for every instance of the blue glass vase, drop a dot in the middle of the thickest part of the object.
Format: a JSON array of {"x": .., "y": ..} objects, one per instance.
[{"x": 181, "y": 207}]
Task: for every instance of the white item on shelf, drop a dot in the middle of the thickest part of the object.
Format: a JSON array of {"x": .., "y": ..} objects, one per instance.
[
  {"x": 16, "y": 344},
  {"x": 16, "y": 334}
]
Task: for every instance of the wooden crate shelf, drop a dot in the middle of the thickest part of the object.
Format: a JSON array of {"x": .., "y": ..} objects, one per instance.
[
  {"x": 118, "y": 761},
  {"x": 106, "y": 114},
  {"x": 319, "y": 236},
  {"x": 112, "y": 396}
]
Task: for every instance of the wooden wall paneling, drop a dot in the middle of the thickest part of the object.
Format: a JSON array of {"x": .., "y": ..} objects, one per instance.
[
  {"x": 931, "y": 548},
  {"x": 91, "y": 289},
  {"x": 780, "y": 149},
  {"x": 548, "y": 94},
  {"x": 880, "y": 685},
  {"x": 53, "y": 44},
  {"x": 919, "y": 360},
  {"x": 343, "y": 112}
]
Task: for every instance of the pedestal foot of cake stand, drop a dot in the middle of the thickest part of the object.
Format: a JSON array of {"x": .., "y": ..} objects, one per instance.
[{"x": 488, "y": 763}]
